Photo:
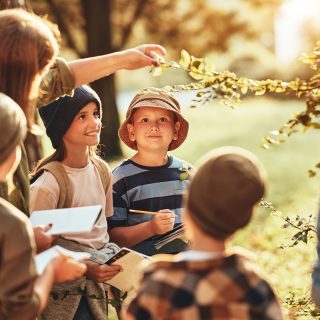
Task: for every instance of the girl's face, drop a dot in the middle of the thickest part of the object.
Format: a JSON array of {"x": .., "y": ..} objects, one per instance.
[
  {"x": 10, "y": 165},
  {"x": 153, "y": 128},
  {"x": 85, "y": 128}
]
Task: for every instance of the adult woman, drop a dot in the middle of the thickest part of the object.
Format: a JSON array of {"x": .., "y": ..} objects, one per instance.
[{"x": 28, "y": 47}]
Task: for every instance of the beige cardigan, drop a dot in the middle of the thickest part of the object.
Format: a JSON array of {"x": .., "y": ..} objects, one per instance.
[{"x": 17, "y": 267}]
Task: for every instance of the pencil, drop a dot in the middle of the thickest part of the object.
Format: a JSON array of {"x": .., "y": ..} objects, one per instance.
[{"x": 143, "y": 211}]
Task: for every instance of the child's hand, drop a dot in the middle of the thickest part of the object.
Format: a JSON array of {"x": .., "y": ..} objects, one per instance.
[
  {"x": 66, "y": 269},
  {"x": 101, "y": 273},
  {"x": 163, "y": 221},
  {"x": 43, "y": 240}
]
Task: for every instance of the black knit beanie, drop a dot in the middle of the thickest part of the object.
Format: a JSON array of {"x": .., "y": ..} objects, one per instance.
[{"x": 58, "y": 115}]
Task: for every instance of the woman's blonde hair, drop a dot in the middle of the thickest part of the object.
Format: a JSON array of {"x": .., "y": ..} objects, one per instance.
[{"x": 27, "y": 46}]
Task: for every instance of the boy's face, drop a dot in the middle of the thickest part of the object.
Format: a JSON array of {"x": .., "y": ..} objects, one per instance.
[
  {"x": 153, "y": 128},
  {"x": 85, "y": 128}
]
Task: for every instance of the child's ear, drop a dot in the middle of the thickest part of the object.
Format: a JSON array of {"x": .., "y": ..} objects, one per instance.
[
  {"x": 131, "y": 132},
  {"x": 176, "y": 130}
]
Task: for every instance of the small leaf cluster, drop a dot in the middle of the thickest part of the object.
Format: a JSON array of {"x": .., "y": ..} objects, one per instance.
[
  {"x": 304, "y": 228},
  {"x": 301, "y": 306},
  {"x": 185, "y": 172}
]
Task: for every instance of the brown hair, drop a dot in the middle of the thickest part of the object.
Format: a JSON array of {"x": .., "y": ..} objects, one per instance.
[{"x": 27, "y": 46}]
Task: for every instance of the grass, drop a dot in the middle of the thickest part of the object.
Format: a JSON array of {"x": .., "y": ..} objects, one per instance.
[{"x": 290, "y": 189}]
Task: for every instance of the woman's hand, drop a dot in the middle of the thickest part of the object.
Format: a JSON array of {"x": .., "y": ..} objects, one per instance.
[
  {"x": 143, "y": 55},
  {"x": 101, "y": 273}
]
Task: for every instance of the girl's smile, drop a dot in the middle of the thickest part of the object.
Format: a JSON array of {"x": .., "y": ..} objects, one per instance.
[{"x": 87, "y": 123}]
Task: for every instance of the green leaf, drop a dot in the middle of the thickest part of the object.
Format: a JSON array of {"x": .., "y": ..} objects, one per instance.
[
  {"x": 260, "y": 92},
  {"x": 185, "y": 59},
  {"x": 183, "y": 176},
  {"x": 174, "y": 64},
  {"x": 209, "y": 65},
  {"x": 196, "y": 76},
  {"x": 157, "y": 71},
  {"x": 244, "y": 89}
]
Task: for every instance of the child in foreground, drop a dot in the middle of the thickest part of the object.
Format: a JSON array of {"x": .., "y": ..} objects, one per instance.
[
  {"x": 151, "y": 180},
  {"x": 74, "y": 176},
  {"x": 209, "y": 282},
  {"x": 23, "y": 293}
]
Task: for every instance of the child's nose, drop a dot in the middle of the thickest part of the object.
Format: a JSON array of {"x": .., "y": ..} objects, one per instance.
[
  {"x": 95, "y": 122},
  {"x": 154, "y": 126}
]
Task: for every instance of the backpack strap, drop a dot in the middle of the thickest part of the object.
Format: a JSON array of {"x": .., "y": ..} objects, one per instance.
[
  {"x": 103, "y": 170},
  {"x": 57, "y": 170}
]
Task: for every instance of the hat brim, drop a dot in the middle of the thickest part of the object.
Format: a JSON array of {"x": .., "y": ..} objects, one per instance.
[{"x": 182, "y": 133}]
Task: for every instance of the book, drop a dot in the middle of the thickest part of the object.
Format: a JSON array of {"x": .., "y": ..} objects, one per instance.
[
  {"x": 42, "y": 259},
  {"x": 130, "y": 262},
  {"x": 171, "y": 236},
  {"x": 67, "y": 220}
]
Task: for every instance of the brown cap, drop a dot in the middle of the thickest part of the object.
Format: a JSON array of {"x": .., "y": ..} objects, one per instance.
[
  {"x": 224, "y": 190},
  {"x": 155, "y": 98},
  {"x": 13, "y": 128}
]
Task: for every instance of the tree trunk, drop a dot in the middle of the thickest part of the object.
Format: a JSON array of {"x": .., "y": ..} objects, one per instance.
[
  {"x": 99, "y": 36},
  {"x": 10, "y": 4}
]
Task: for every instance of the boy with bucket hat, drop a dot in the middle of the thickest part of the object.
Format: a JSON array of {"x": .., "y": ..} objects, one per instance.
[
  {"x": 150, "y": 181},
  {"x": 209, "y": 282}
]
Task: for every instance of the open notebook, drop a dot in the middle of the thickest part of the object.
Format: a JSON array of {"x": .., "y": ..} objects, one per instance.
[
  {"x": 130, "y": 261},
  {"x": 68, "y": 220}
]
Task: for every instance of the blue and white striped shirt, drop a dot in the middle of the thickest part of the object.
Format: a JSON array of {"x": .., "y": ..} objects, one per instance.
[{"x": 147, "y": 188}]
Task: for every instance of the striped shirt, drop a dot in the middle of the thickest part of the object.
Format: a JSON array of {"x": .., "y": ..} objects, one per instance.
[{"x": 147, "y": 188}]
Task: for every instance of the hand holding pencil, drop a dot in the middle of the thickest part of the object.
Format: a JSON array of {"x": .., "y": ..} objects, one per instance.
[{"x": 162, "y": 222}]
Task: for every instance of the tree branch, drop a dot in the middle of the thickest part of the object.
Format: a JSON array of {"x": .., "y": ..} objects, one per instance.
[
  {"x": 127, "y": 30},
  {"x": 11, "y": 4},
  {"x": 63, "y": 28}
]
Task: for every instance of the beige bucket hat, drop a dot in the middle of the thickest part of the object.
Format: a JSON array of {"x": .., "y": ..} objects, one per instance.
[{"x": 155, "y": 98}]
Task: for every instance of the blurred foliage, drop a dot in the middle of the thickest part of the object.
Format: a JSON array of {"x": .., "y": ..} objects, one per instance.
[{"x": 174, "y": 24}]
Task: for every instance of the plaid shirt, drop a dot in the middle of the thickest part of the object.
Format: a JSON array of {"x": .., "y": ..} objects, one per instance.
[{"x": 222, "y": 288}]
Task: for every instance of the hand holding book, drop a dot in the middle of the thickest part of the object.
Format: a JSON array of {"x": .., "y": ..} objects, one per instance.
[{"x": 129, "y": 261}]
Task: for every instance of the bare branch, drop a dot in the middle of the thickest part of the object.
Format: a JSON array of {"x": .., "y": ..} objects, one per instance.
[
  {"x": 127, "y": 30},
  {"x": 63, "y": 28}
]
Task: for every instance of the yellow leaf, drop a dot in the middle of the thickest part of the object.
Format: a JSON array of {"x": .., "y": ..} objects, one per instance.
[
  {"x": 244, "y": 89},
  {"x": 185, "y": 59}
]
